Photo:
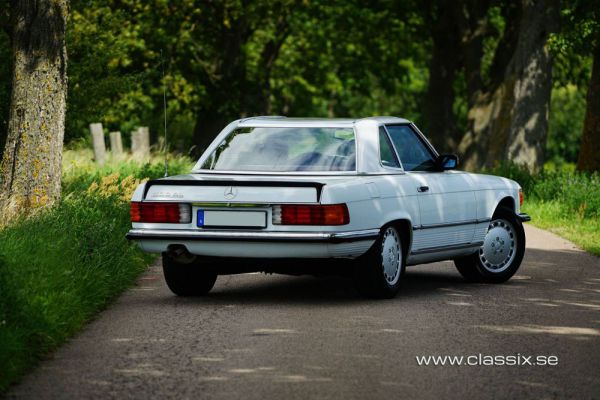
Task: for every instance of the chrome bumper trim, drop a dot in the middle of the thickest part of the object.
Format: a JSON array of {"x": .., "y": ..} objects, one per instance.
[{"x": 230, "y": 235}]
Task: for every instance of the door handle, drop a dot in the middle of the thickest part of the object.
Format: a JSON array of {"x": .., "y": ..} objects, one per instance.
[{"x": 422, "y": 189}]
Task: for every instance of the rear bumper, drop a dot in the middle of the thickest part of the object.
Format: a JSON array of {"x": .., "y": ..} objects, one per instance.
[
  {"x": 246, "y": 236},
  {"x": 524, "y": 217},
  {"x": 245, "y": 244}
]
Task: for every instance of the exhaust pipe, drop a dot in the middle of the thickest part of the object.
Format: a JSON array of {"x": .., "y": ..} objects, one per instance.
[{"x": 180, "y": 254}]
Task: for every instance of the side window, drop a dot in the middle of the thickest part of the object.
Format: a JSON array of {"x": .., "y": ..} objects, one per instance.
[
  {"x": 413, "y": 153},
  {"x": 388, "y": 159}
]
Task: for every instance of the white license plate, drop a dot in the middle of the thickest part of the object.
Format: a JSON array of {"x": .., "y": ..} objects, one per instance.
[{"x": 232, "y": 219}]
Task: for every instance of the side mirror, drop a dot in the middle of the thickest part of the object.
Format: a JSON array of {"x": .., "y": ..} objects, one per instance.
[{"x": 447, "y": 161}]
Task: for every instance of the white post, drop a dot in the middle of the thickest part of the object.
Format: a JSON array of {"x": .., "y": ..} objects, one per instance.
[
  {"x": 145, "y": 143},
  {"x": 134, "y": 141},
  {"x": 140, "y": 144},
  {"x": 98, "y": 142},
  {"x": 116, "y": 145}
]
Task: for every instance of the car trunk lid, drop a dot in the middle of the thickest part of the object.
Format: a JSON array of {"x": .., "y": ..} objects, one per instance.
[{"x": 204, "y": 188}]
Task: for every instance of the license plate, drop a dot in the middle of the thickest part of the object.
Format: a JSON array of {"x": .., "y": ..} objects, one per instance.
[{"x": 232, "y": 219}]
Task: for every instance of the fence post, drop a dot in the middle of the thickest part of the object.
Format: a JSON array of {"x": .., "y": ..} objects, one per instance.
[
  {"x": 134, "y": 141},
  {"x": 116, "y": 145},
  {"x": 145, "y": 142},
  {"x": 98, "y": 142},
  {"x": 140, "y": 144}
]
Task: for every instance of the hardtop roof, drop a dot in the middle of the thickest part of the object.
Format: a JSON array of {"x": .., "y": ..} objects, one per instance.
[{"x": 279, "y": 121}]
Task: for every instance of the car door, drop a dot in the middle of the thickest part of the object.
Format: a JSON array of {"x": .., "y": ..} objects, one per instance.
[{"x": 447, "y": 202}]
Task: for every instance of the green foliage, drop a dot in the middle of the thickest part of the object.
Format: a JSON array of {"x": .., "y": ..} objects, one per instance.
[
  {"x": 563, "y": 201},
  {"x": 79, "y": 172},
  {"x": 565, "y": 124},
  {"x": 228, "y": 59},
  {"x": 559, "y": 218},
  {"x": 579, "y": 192},
  {"x": 60, "y": 267},
  {"x": 580, "y": 21},
  {"x": 57, "y": 270},
  {"x": 109, "y": 75},
  {"x": 330, "y": 68}
]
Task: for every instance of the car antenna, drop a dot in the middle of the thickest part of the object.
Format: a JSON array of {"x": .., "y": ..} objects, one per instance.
[{"x": 162, "y": 63}]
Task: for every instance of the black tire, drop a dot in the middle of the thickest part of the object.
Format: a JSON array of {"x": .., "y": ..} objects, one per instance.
[
  {"x": 370, "y": 277},
  {"x": 472, "y": 267},
  {"x": 187, "y": 277}
]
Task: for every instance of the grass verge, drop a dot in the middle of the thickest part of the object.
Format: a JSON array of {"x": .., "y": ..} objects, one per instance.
[
  {"x": 555, "y": 217},
  {"x": 59, "y": 268},
  {"x": 562, "y": 201}
]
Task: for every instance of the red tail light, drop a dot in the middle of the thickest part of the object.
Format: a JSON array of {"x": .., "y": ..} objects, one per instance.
[
  {"x": 520, "y": 197},
  {"x": 329, "y": 214},
  {"x": 174, "y": 213}
]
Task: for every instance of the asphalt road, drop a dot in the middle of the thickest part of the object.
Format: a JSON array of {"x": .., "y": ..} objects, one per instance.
[{"x": 267, "y": 336}]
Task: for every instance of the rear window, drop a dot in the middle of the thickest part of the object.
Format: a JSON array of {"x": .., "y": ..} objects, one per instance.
[{"x": 285, "y": 150}]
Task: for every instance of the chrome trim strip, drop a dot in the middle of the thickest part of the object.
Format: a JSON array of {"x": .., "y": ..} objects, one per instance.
[
  {"x": 186, "y": 234},
  {"x": 318, "y": 186},
  {"x": 447, "y": 248},
  {"x": 458, "y": 223},
  {"x": 276, "y": 173}
]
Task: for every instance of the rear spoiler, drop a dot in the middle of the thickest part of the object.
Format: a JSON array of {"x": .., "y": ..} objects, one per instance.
[{"x": 209, "y": 182}]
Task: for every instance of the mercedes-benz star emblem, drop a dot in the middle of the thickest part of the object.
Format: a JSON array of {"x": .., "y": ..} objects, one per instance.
[{"x": 230, "y": 192}]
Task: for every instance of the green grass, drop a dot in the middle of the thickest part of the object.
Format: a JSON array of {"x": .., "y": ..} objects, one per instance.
[
  {"x": 555, "y": 217},
  {"x": 562, "y": 201},
  {"x": 59, "y": 268}
]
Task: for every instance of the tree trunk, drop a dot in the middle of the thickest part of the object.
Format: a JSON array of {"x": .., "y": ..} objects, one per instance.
[
  {"x": 31, "y": 163},
  {"x": 509, "y": 121},
  {"x": 589, "y": 153},
  {"x": 440, "y": 121},
  {"x": 532, "y": 69}
]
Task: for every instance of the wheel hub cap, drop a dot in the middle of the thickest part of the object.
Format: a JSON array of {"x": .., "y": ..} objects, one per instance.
[
  {"x": 499, "y": 246},
  {"x": 391, "y": 256}
]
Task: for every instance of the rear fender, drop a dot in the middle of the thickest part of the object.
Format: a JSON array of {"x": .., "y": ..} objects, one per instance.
[{"x": 399, "y": 215}]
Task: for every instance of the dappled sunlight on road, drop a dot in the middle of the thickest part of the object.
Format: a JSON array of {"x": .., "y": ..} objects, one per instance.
[{"x": 553, "y": 330}]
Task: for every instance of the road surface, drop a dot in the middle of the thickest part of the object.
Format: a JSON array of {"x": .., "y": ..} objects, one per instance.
[{"x": 276, "y": 337}]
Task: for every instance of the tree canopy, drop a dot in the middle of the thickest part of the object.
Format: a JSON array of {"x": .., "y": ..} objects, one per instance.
[{"x": 422, "y": 60}]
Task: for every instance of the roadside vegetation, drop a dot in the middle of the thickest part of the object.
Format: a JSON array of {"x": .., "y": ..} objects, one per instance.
[
  {"x": 60, "y": 267},
  {"x": 562, "y": 201}
]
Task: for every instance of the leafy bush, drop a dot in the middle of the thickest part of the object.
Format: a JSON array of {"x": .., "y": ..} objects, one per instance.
[
  {"x": 578, "y": 192},
  {"x": 80, "y": 172},
  {"x": 563, "y": 201}
]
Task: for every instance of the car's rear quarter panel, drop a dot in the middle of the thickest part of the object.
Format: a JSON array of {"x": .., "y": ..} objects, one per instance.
[{"x": 375, "y": 200}]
